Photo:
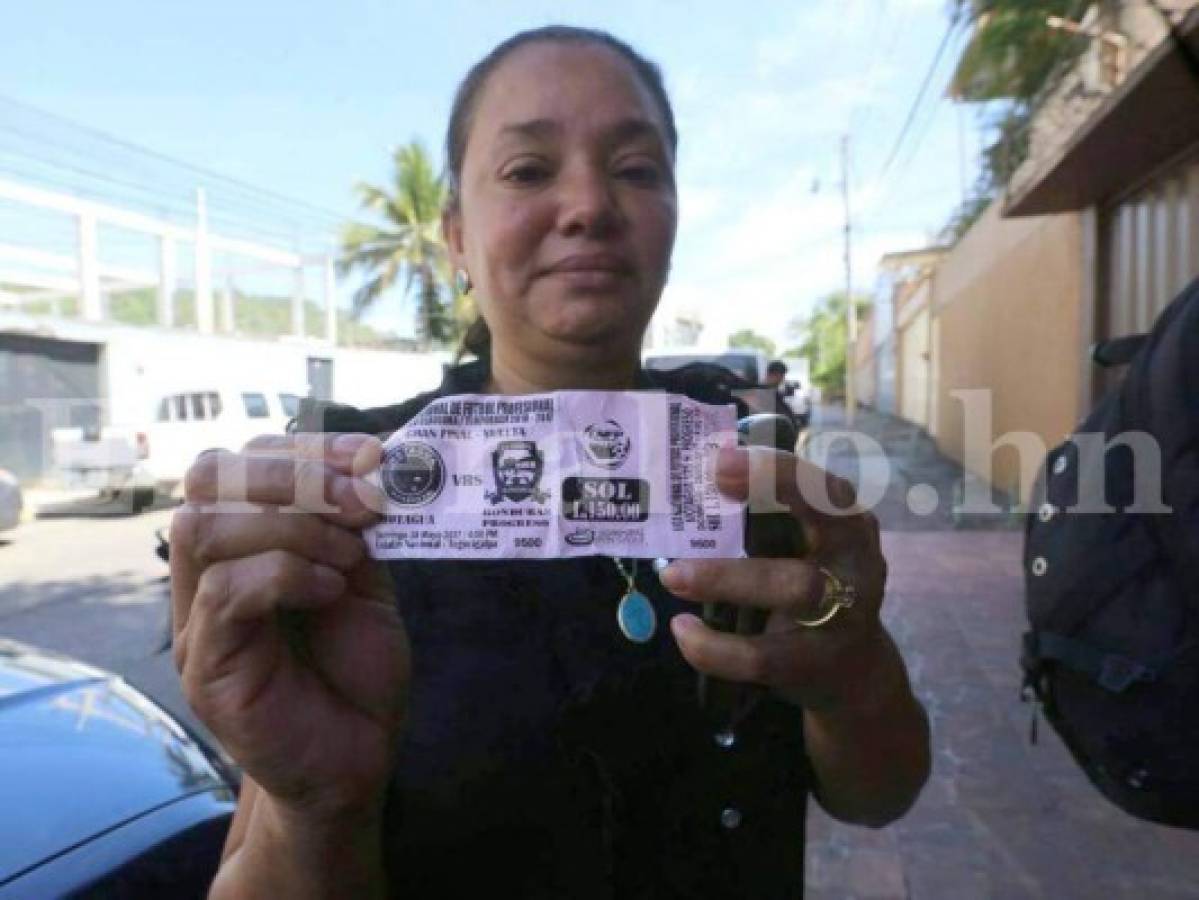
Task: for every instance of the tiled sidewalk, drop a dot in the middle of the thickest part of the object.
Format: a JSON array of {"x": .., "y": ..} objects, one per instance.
[{"x": 1000, "y": 818}]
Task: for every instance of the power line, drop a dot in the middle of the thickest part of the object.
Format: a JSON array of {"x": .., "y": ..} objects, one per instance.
[
  {"x": 924, "y": 85},
  {"x": 178, "y": 198},
  {"x": 878, "y": 60},
  {"x": 906, "y": 165},
  {"x": 178, "y": 210},
  {"x": 257, "y": 193}
]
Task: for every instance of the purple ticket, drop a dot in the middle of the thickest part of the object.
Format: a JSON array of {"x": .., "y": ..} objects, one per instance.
[{"x": 570, "y": 473}]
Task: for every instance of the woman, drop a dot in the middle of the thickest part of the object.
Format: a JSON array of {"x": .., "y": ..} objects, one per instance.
[{"x": 523, "y": 745}]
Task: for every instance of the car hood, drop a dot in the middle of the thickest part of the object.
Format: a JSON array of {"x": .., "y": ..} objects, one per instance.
[{"x": 81, "y": 752}]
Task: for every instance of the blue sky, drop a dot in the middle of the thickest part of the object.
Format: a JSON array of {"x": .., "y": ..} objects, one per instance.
[{"x": 304, "y": 98}]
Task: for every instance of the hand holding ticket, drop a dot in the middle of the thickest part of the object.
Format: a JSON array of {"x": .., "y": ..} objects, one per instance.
[{"x": 571, "y": 473}]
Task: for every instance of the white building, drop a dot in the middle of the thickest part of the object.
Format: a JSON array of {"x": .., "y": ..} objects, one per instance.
[{"x": 59, "y": 370}]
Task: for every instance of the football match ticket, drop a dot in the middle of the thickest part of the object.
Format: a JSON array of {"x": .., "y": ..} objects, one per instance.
[{"x": 570, "y": 473}]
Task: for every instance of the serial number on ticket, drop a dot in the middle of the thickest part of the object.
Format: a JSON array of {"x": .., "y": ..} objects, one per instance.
[{"x": 571, "y": 473}]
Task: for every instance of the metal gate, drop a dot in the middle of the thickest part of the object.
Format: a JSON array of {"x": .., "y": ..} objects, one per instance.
[
  {"x": 44, "y": 384},
  {"x": 1151, "y": 239}
]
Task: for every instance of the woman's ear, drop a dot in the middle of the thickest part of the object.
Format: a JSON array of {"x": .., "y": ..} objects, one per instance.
[{"x": 451, "y": 233}]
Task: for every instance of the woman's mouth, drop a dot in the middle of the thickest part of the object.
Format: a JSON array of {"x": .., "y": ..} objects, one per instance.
[{"x": 591, "y": 270}]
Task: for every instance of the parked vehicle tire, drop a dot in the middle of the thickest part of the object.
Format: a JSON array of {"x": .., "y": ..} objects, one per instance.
[{"x": 138, "y": 498}]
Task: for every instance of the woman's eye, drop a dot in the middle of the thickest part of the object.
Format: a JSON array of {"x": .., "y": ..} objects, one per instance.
[
  {"x": 526, "y": 173},
  {"x": 645, "y": 174}
]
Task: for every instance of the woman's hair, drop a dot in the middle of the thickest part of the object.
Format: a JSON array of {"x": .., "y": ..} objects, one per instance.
[{"x": 466, "y": 98}]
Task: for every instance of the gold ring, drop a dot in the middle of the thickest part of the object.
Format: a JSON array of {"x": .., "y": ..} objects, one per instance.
[{"x": 837, "y": 596}]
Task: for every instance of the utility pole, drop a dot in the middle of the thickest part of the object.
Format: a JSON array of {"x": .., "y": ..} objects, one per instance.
[{"x": 851, "y": 312}]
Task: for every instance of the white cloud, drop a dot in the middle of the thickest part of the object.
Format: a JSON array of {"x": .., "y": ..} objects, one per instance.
[
  {"x": 766, "y": 297},
  {"x": 757, "y": 246}
]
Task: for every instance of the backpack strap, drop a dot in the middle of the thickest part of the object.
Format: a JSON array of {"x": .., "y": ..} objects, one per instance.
[{"x": 1111, "y": 671}]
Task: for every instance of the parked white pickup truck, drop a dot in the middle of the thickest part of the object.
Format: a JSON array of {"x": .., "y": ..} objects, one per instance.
[{"x": 153, "y": 458}]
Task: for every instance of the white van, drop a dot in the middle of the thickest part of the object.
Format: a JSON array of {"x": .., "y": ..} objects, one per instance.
[
  {"x": 154, "y": 457},
  {"x": 187, "y": 423}
]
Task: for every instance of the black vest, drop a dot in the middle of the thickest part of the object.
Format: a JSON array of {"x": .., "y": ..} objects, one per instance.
[{"x": 547, "y": 756}]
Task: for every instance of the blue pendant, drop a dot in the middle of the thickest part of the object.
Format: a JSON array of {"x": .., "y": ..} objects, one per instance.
[{"x": 636, "y": 617}]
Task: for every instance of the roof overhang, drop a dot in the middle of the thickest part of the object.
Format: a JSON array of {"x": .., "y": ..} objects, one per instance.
[
  {"x": 903, "y": 259},
  {"x": 1149, "y": 120}
]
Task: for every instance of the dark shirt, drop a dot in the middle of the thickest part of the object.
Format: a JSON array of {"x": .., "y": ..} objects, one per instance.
[{"x": 545, "y": 755}]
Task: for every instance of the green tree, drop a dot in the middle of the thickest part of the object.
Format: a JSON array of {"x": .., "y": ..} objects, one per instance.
[
  {"x": 825, "y": 337},
  {"x": 1011, "y": 58},
  {"x": 406, "y": 241},
  {"x": 1013, "y": 53},
  {"x": 748, "y": 339}
]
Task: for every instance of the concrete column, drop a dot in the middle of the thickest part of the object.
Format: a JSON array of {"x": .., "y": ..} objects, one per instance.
[
  {"x": 297, "y": 303},
  {"x": 204, "y": 311},
  {"x": 330, "y": 301},
  {"x": 167, "y": 280},
  {"x": 227, "y": 320},
  {"x": 91, "y": 298}
]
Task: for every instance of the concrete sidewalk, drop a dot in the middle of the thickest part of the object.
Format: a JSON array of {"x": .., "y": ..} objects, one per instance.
[
  {"x": 903, "y": 477},
  {"x": 1000, "y": 818}
]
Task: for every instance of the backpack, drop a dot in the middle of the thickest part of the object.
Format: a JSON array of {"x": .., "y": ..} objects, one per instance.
[{"x": 1112, "y": 653}]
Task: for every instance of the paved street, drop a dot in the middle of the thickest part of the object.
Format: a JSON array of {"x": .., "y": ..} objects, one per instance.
[
  {"x": 85, "y": 582},
  {"x": 999, "y": 819}
]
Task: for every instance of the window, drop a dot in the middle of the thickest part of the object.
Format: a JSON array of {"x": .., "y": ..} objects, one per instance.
[
  {"x": 743, "y": 365},
  {"x": 214, "y": 404},
  {"x": 180, "y": 402},
  {"x": 164, "y": 410},
  {"x": 255, "y": 405},
  {"x": 197, "y": 403},
  {"x": 290, "y": 404}
]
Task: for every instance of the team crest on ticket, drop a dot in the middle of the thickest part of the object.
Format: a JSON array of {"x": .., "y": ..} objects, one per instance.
[
  {"x": 412, "y": 473},
  {"x": 517, "y": 467},
  {"x": 606, "y": 443}
]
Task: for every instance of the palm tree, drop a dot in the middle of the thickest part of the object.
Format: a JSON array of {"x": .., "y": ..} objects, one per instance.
[{"x": 408, "y": 242}]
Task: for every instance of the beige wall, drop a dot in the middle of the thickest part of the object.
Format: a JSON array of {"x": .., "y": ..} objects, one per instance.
[
  {"x": 1007, "y": 302},
  {"x": 914, "y": 361},
  {"x": 866, "y": 383}
]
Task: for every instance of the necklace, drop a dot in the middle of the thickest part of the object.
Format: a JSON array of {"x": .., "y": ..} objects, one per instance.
[{"x": 634, "y": 614}]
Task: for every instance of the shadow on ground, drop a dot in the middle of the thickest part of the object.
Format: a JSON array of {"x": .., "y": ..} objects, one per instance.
[
  {"x": 903, "y": 477},
  {"x": 99, "y": 507},
  {"x": 106, "y": 620}
]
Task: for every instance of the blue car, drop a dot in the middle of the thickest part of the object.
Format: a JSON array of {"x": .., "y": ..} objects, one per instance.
[{"x": 102, "y": 793}]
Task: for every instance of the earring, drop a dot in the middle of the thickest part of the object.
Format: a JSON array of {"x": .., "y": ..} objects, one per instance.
[{"x": 462, "y": 281}]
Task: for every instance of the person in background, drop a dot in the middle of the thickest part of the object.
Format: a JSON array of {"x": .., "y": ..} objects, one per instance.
[
  {"x": 776, "y": 375},
  {"x": 776, "y": 378},
  {"x": 468, "y": 728}
]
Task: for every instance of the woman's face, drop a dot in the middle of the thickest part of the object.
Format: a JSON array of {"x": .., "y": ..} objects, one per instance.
[{"x": 568, "y": 209}]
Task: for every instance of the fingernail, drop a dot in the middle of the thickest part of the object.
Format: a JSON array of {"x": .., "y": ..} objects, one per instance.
[
  {"x": 732, "y": 462},
  {"x": 352, "y": 493},
  {"x": 348, "y": 444},
  {"x": 676, "y": 577},
  {"x": 328, "y": 583},
  {"x": 371, "y": 495},
  {"x": 684, "y": 624}
]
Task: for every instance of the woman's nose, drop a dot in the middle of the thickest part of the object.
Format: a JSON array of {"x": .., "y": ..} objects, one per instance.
[{"x": 587, "y": 204}]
